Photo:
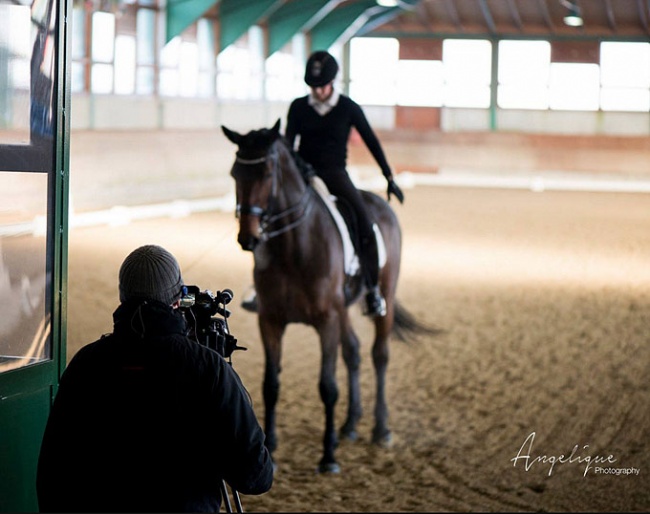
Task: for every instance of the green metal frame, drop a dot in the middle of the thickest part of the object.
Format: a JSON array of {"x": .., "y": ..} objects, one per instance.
[
  {"x": 26, "y": 394},
  {"x": 494, "y": 80},
  {"x": 62, "y": 185},
  {"x": 24, "y": 407}
]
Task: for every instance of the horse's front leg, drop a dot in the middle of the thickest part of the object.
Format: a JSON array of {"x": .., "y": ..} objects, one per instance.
[
  {"x": 272, "y": 338},
  {"x": 329, "y": 337}
]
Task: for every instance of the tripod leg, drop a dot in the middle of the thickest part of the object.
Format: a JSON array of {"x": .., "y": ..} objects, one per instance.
[
  {"x": 237, "y": 501},
  {"x": 225, "y": 497}
]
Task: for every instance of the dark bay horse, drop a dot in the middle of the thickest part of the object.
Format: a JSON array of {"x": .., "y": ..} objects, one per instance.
[{"x": 299, "y": 276}]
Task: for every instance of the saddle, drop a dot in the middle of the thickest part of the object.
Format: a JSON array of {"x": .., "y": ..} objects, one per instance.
[{"x": 345, "y": 222}]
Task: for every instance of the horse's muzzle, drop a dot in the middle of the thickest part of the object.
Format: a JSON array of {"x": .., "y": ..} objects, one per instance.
[{"x": 247, "y": 242}]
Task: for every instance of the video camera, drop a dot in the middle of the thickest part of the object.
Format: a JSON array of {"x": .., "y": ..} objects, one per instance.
[{"x": 200, "y": 309}]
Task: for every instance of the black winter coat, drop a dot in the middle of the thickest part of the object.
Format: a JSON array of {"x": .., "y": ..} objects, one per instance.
[{"x": 147, "y": 420}]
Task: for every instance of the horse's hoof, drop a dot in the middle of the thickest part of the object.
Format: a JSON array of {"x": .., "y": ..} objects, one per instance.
[
  {"x": 350, "y": 435},
  {"x": 384, "y": 439},
  {"x": 329, "y": 467}
]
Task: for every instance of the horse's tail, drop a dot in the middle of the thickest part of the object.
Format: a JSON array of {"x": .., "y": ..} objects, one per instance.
[{"x": 406, "y": 326}]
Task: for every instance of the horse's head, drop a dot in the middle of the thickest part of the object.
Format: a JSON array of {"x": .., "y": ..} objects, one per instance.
[{"x": 255, "y": 177}]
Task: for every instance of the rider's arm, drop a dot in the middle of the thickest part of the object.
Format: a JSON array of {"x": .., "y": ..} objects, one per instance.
[{"x": 370, "y": 139}]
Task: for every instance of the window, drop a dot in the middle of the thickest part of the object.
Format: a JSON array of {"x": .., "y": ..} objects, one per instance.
[
  {"x": 373, "y": 68},
  {"x": 467, "y": 72},
  {"x": 625, "y": 76},
  {"x": 188, "y": 69},
  {"x": 102, "y": 52},
  {"x": 145, "y": 27},
  {"x": 420, "y": 83},
  {"x": 233, "y": 65},
  {"x": 285, "y": 71},
  {"x": 240, "y": 68},
  {"x": 15, "y": 51},
  {"x": 124, "y": 58},
  {"x": 78, "y": 50},
  {"x": 145, "y": 51},
  {"x": 103, "y": 36},
  {"x": 574, "y": 86},
  {"x": 523, "y": 75},
  {"x": 280, "y": 77},
  {"x": 205, "y": 39},
  {"x": 27, "y": 57},
  {"x": 125, "y": 65}
]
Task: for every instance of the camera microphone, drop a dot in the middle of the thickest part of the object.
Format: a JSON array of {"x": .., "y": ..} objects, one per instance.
[{"x": 226, "y": 296}]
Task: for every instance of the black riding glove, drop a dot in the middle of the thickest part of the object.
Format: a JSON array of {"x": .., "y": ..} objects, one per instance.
[{"x": 393, "y": 189}]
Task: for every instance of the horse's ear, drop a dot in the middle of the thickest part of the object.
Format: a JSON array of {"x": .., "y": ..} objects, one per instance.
[
  {"x": 276, "y": 127},
  {"x": 232, "y": 135}
]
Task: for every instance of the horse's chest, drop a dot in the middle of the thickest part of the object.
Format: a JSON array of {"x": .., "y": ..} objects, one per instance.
[{"x": 315, "y": 261}]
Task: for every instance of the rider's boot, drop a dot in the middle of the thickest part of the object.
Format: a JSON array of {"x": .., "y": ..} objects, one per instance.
[
  {"x": 375, "y": 303},
  {"x": 249, "y": 302}
]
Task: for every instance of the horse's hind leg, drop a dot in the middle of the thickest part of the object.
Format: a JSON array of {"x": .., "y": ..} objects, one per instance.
[
  {"x": 380, "y": 353},
  {"x": 350, "y": 349}
]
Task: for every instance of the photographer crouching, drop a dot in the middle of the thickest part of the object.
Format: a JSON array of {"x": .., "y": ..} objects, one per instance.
[{"x": 147, "y": 419}]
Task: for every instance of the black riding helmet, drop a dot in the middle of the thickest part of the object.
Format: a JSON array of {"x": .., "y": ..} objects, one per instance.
[{"x": 321, "y": 69}]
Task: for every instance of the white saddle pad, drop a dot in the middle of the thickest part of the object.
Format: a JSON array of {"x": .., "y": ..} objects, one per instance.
[{"x": 350, "y": 257}]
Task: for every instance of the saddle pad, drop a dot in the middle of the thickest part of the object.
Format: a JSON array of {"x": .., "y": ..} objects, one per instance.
[{"x": 350, "y": 257}]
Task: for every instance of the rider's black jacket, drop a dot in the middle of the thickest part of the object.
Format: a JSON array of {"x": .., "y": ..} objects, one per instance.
[
  {"x": 324, "y": 138},
  {"x": 324, "y": 145}
]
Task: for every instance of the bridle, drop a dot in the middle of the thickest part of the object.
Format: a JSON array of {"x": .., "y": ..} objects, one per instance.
[{"x": 268, "y": 217}]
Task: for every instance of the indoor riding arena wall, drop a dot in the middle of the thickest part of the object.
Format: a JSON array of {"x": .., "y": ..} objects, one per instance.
[{"x": 172, "y": 150}]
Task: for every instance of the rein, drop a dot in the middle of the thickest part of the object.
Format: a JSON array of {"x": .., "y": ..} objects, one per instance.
[{"x": 304, "y": 206}]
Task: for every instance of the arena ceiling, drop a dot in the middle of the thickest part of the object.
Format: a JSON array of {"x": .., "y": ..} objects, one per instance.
[{"x": 326, "y": 22}]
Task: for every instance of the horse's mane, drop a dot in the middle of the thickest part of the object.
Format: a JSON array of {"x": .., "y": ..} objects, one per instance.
[{"x": 307, "y": 171}]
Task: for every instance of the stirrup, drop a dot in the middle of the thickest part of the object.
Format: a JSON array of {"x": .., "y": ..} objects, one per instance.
[{"x": 375, "y": 304}]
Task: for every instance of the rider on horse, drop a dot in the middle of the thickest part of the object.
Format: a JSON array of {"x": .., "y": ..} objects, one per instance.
[{"x": 323, "y": 120}]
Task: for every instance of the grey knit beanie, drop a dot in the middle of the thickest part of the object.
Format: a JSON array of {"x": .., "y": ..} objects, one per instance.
[{"x": 150, "y": 273}]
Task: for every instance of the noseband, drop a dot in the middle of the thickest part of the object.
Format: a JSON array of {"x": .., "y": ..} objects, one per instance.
[{"x": 268, "y": 217}]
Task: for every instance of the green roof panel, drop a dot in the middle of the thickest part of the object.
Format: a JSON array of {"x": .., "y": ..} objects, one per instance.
[
  {"x": 341, "y": 24},
  {"x": 182, "y": 13},
  {"x": 237, "y": 16},
  {"x": 293, "y": 17}
]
